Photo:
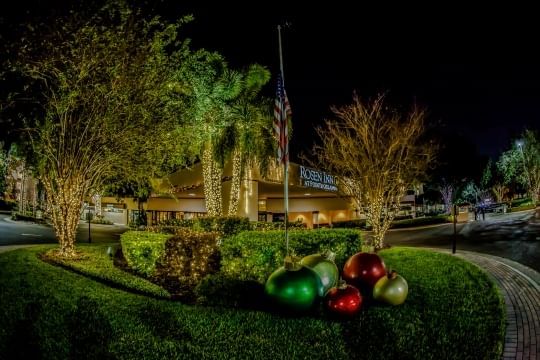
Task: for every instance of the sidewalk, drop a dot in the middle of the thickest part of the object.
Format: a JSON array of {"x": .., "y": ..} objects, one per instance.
[{"x": 520, "y": 287}]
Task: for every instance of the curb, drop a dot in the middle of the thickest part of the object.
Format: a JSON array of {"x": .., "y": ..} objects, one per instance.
[{"x": 520, "y": 289}]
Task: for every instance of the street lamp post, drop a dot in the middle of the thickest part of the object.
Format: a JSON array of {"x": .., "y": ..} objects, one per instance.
[
  {"x": 89, "y": 217},
  {"x": 519, "y": 144}
]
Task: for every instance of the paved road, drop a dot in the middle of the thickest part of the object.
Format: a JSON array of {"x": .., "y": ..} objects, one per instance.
[
  {"x": 22, "y": 232},
  {"x": 515, "y": 236}
]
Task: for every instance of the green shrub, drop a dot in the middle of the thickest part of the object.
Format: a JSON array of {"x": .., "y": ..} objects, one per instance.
[
  {"x": 224, "y": 225},
  {"x": 254, "y": 255},
  {"x": 522, "y": 208},
  {"x": 101, "y": 220},
  {"x": 188, "y": 257},
  {"x": 350, "y": 224},
  {"x": 278, "y": 225},
  {"x": 25, "y": 217},
  {"x": 521, "y": 202},
  {"x": 142, "y": 250},
  {"x": 421, "y": 221},
  {"x": 7, "y": 204}
]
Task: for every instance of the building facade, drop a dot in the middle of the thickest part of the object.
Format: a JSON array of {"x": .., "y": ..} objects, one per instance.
[{"x": 313, "y": 198}]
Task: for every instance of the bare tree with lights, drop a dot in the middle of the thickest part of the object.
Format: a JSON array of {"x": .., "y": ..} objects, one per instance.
[
  {"x": 105, "y": 107},
  {"x": 446, "y": 190},
  {"x": 378, "y": 154}
]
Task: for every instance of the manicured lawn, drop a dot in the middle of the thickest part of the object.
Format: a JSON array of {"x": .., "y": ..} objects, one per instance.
[{"x": 453, "y": 312}]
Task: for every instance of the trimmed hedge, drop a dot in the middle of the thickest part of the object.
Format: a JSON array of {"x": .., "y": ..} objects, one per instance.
[
  {"x": 188, "y": 257},
  {"x": 522, "y": 208},
  {"x": 350, "y": 224},
  {"x": 521, "y": 202},
  {"x": 254, "y": 255},
  {"x": 278, "y": 225},
  {"x": 396, "y": 224},
  {"x": 225, "y": 225},
  {"x": 7, "y": 204},
  {"x": 142, "y": 250},
  {"x": 421, "y": 221}
]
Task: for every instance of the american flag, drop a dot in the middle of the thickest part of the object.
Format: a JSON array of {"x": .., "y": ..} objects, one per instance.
[{"x": 282, "y": 116}]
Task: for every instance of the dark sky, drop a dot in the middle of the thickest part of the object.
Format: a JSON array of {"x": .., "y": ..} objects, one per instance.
[{"x": 475, "y": 70}]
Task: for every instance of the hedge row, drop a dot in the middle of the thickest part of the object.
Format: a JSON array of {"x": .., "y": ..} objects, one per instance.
[
  {"x": 522, "y": 208},
  {"x": 421, "y": 221},
  {"x": 254, "y": 255},
  {"x": 396, "y": 224},
  {"x": 226, "y": 225}
]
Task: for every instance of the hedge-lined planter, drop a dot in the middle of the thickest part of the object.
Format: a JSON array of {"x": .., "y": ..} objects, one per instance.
[{"x": 254, "y": 255}]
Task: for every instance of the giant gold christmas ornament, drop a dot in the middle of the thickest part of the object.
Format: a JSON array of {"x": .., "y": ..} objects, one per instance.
[{"x": 391, "y": 289}]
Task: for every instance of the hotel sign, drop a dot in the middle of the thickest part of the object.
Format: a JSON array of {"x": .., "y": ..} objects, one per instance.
[{"x": 317, "y": 179}]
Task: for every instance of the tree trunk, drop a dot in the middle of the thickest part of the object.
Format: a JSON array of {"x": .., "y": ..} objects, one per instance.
[
  {"x": 212, "y": 182},
  {"x": 64, "y": 198},
  {"x": 379, "y": 224},
  {"x": 234, "y": 196}
]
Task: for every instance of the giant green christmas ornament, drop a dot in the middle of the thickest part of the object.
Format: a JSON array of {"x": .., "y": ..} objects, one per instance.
[
  {"x": 324, "y": 266},
  {"x": 293, "y": 287}
]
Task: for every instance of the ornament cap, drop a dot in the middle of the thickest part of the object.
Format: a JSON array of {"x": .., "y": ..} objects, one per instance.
[
  {"x": 291, "y": 264},
  {"x": 342, "y": 284},
  {"x": 392, "y": 274},
  {"x": 329, "y": 255}
]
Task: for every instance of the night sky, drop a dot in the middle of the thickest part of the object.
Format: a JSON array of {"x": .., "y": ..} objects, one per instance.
[{"x": 476, "y": 71}]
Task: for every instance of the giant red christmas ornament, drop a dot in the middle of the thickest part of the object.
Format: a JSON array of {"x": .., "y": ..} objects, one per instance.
[
  {"x": 344, "y": 300},
  {"x": 363, "y": 270}
]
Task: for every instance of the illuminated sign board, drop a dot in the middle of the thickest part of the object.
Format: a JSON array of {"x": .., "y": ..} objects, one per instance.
[{"x": 317, "y": 179}]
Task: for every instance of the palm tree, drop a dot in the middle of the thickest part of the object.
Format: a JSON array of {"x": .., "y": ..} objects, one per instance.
[
  {"x": 250, "y": 136},
  {"x": 211, "y": 87}
]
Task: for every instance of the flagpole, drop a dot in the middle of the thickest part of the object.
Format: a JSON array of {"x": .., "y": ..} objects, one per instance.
[{"x": 286, "y": 162}]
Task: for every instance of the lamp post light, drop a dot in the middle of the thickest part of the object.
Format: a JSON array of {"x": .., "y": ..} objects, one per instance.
[
  {"x": 519, "y": 144},
  {"x": 89, "y": 216}
]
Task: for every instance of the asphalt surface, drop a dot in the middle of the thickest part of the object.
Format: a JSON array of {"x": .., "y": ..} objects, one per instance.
[
  {"x": 23, "y": 232},
  {"x": 515, "y": 236}
]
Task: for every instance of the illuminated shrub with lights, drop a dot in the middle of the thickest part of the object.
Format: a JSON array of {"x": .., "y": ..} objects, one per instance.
[
  {"x": 278, "y": 225},
  {"x": 142, "y": 250},
  {"x": 188, "y": 257},
  {"x": 224, "y": 225},
  {"x": 254, "y": 255}
]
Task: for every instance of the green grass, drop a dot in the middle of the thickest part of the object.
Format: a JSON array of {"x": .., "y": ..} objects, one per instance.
[
  {"x": 453, "y": 312},
  {"x": 98, "y": 265}
]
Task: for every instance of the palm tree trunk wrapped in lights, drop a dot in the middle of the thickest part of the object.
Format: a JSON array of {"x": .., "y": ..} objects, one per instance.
[
  {"x": 235, "y": 182},
  {"x": 212, "y": 182}
]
